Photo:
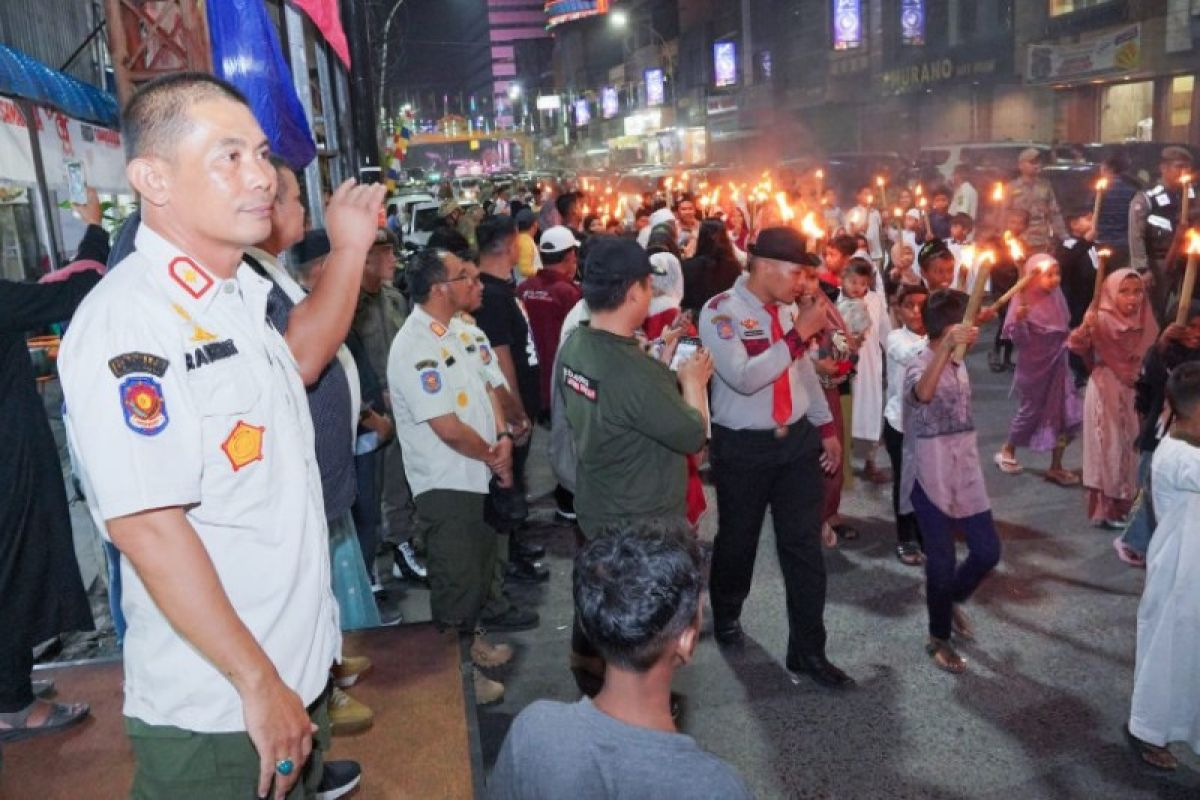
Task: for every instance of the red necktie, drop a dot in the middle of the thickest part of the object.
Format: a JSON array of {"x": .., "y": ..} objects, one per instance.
[{"x": 781, "y": 401}]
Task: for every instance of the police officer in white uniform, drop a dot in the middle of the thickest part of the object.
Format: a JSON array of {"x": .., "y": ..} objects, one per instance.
[
  {"x": 187, "y": 415},
  {"x": 772, "y": 434},
  {"x": 441, "y": 375}
]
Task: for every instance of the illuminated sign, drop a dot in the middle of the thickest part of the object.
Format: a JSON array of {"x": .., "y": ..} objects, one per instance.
[
  {"x": 560, "y": 11},
  {"x": 656, "y": 92},
  {"x": 724, "y": 63},
  {"x": 847, "y": 24},
  {"x": 912, "y": 21},
  {"x": 609, "y": 103},
  {"x": 583, "y": 114},
  {"x": 549, "y": 102}
]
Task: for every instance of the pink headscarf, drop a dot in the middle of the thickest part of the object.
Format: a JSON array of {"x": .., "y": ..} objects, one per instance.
[
  {"x": 1048, "y": 311},
  {"x": 1122, "y": 341}
]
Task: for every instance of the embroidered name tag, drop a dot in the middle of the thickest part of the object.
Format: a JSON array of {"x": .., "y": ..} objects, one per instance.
[
  {"x": 581, "y": 384},
  {"x": 208, "y": 353}
]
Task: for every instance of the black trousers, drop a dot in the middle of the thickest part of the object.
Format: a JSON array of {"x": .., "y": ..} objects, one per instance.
[
  {"x": 907, "y": 529},
  {"x": 753, "y": 470},
  {"x": 16, "y": 664}
]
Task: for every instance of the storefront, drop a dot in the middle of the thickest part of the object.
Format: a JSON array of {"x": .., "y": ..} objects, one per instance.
[
  {"x": 1121, "y": 84},
  {"x": 42, "y": 130}
]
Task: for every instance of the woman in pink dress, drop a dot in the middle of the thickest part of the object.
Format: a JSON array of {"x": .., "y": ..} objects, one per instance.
[{"x": 1112, "y": 341}]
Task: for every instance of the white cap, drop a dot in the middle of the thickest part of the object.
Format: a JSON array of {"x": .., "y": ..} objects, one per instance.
[
  {"x": 661, "y": 217},
  {"x": 913, "y": 213},
  {"x": 557, "y": 239}
]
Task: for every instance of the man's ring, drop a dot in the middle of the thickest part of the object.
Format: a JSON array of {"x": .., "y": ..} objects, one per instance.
[{"x": 284, "y": 767}]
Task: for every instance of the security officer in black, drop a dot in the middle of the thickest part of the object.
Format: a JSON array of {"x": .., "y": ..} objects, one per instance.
[
  {"x": 1156, "y": 226},
  {"x": 772, "y": 434}
]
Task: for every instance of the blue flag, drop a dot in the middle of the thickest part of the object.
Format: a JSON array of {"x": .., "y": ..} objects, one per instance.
[{"x": 246, "y": 52}]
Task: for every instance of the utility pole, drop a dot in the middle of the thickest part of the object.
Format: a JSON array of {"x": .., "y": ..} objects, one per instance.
[{"x": 364, "y": 128}]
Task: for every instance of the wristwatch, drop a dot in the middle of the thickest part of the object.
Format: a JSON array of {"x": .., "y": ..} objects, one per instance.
[{"x": 503, "y": 435}]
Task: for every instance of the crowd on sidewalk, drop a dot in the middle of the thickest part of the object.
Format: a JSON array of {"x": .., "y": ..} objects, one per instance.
[{"x": 269, "y": 422}]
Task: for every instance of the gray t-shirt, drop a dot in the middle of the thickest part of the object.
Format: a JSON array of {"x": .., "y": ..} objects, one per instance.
[{"x": 556, "y": 750}]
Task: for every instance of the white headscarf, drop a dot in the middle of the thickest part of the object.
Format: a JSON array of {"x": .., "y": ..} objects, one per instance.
[{"x": 670, "y": 284}]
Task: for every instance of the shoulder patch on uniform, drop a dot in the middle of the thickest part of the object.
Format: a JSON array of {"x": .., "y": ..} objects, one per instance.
[
  {"x": 428, "y": 363},
  {"x": 144, "y": 363},
  {"x": 439, "y": 330},
  {"x": 724, "y": 326},
  {"x": 189, "y": 275},
  {"x": 716, "y": 301},
  {"x": 485, "y": 353},
  {"x": 750, "y": 323},
  {"x": 431, "y": 381},
  {"x": 581, "y": 384},
  {"x": 143, "y": 405}
]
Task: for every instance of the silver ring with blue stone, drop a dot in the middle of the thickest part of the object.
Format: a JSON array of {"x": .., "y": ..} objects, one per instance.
[{"x": 284, "y": 767}]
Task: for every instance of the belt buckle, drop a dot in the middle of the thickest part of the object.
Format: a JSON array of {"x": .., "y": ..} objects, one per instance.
[{"x": 781, "y": 431}]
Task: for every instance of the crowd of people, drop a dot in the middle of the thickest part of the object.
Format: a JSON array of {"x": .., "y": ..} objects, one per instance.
[{"x": 267, "y": 421}]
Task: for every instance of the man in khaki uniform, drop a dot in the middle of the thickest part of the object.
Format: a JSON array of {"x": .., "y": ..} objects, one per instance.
[{"x": 1035, "y": 196}]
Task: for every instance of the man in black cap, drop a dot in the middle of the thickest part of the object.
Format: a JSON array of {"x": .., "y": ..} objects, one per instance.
[
  {"x": 773, "y": 434},
  {"x": 631, "y": 424},
  {"x": 1156, "y": 225}
]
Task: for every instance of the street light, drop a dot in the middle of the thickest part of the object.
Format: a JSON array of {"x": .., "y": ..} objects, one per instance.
[
  {"x": 619, "y": 19},
  {"x": 514, "y": 91}
]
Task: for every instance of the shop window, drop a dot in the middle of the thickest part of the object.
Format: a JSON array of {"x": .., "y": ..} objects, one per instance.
[
  {"x": 1127, "y": 112},
  {"x": 1179, "y": 108},
  {"x": 1060, "y": 7}
]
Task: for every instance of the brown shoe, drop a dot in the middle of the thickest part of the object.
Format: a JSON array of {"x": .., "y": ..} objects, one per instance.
[
  {"x": 347, "y": 673},
  {"x": 945, "y": 657},
  {"x": 961, "y": 625},
  {"x": 876, "y": 475},
  {"x": 347, "y": 716},
  {"x": 487, "y": 691},
  {"x": 486, "y": 654}
]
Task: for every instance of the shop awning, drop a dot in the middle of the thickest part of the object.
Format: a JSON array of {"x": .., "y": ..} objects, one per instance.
[{"x": 26, "y": 77}]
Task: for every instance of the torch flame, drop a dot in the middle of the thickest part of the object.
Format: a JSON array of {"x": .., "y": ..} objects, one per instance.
[
  {"x": 1185, "y": 178},
  {"x": 968, "y": 255},
  {"x": 879, "y": 181},
  {"x": 810, "y": 228},
  {"x": 897, "y": 212},
  {"x": 1101, "y": 184},
  {"x": 1014, "y": 248},
  {"x": 924, "y": 203},
  {"x": 998, "y": 193},
  {"x": 920, "y": 190},
  {"x": 1104, "y": 252},
  {"x": 1193, "y": 242},
  {"x": 820, "y": 174},
  {"x": 785, "y": 211}
]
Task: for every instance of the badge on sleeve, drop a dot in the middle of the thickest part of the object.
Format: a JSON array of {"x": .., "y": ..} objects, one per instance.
[
  {"x": 749, "y": 323},
  {"x": 439, "y": 330},
  {"x": 431, "y": 381},
  {"x": 143, "y": 405},
  {"x": 485, "y": 353},
  {"x": 724, "y": 326},
  {"x": 244, "y": 445}
]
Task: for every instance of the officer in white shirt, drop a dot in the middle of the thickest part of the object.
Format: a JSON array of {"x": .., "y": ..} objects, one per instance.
[
  {"x": 442, "y": 378},
  {"x": 187, "y": 415}
]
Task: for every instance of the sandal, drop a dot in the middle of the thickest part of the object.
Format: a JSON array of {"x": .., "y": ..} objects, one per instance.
[
  {"x": 829, "y": 536},
  {"x": 910, "y": 554},
  {"x": 1151, "y": 754},
  {"x": 945, "y": 657},
  {"x": 1007, "y": 464},
  {"x": 1128, "y": 554},
  {"x": 1062, "y": 477},
  {"x": 61, "y": 716},
  {"x": 961, "y": 625}
]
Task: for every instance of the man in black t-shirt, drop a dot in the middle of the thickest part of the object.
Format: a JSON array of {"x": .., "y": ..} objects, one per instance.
[{"x": 503, "y": 320}]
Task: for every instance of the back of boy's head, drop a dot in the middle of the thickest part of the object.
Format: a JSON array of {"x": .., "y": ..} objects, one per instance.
[
  {"x": 860, "y": 267},
  {"x": 844, "y": 244},
  {"x": 911, "y": 290},
  {"x": 943, "y": 310},
  {"x": 1183, "y": 390},
  {"x": 637, "y": 587}
]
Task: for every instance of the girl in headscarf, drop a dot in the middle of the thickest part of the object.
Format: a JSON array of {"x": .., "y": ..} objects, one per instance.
[
  {"x": 738, "y": 225},
  {"x": 1112, "y": 341},
  {"x": 1049, "y": 413},
  {"x": 668, "y": 294}
]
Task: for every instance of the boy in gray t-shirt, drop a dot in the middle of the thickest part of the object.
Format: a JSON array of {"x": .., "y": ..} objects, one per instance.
[{"x": 637, "y": 596}]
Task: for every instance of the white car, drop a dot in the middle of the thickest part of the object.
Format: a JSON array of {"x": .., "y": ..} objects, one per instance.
[{"x": 422, "y": 219}]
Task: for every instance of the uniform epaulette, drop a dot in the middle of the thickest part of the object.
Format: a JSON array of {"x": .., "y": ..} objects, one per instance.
[{"x": 715, "y": 303}]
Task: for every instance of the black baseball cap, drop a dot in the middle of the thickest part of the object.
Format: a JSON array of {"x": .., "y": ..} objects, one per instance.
[
  {"x": 314, "y": 245},
  {"x": 934, "y": 248},
  {"x": 615, "y": 259},
  {"x": 782, "y": 243}
]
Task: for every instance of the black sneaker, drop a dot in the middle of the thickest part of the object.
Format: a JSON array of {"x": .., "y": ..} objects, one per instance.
[
  {"x": 564, "y": 504},
  {"x": 525, "y": 551},
  {"x": 515, "y": 619},
  {"x": 407, "y": 566},
  {"x": 338, "y": 779},
  {"x": 519, "y": 570}
]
